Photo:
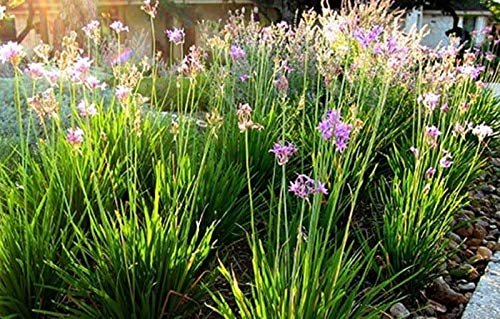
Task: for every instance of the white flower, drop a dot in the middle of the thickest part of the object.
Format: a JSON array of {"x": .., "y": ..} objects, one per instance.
[
  {"x": 118, "y": 27},
  {"x": 2, "y": 12},
  {"x": 86, "y": 110},
  {"x": 482, "y": 131},
  {"x": 91, "y": 30}
]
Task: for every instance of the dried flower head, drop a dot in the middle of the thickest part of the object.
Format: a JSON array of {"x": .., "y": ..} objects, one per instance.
[
  {"x": 193, "y": 63},
  {"x": 431, "y": 134},
  {"x": 150, "y": 8},
  {"x": 44, "y": 104},
  {"x": 245, "y": 122}
]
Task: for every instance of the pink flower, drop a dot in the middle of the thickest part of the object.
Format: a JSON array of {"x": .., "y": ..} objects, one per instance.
[
  {"x": 74, "y": 136},
  {"x": 118, "y": 27},
  {"x": 445, "y": 161},
  {"x": 445, "y": 107},
  {"x": 429, "y": 173},
  {"x": 11, "y": 52},
  {"x": 35, "y": 70},
  {"x": 490, "y": 56},
  {"x": 333, "y": 128},
  {"x": 244, "y": 77},
  {"x": 93, "y": 83},
  {"x": 52, "y": 76},
  {"x": 122, "y": 92},
  {"x": 80, "y": 69}
]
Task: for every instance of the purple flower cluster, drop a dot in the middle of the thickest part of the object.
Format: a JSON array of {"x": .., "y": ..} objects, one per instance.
[
  {"x": 236, "y": 53},
  {"x": 470, "y": 71},
  {"x": 175, "y": 35},
  {"x": 365, "y": 37},
  {"x": 283, "y": 152},
  {"x": 304, "y": 186},
  {"x": 332, "y": 127}
]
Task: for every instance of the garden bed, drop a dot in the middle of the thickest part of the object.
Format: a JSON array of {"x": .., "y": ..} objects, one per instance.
[{"x": 331, "y": 169}]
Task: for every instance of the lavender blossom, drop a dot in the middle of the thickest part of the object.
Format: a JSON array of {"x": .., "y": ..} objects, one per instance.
[
  {"x": 283, "y": 152},
  {"x": 365, "y": 38},
  {"x": 332, "y": 127},
  {"x": 244, "y": 77},
  {"x": 236, "y": 53},
  {"x": 430, "y": 100},
  {"x": 470, "y": 71},
  {"x": 118, "y": 27},
  {"x": 304, "y": 186},
  {"x": 176, "y": 35}
]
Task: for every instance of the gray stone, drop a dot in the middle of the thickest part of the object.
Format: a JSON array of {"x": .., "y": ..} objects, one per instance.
[
  {"x": 456, "y": 238},
  {"x": 399, "y": 311},
  {"x": 486, "y": 299},
  {"x": 467, "y": 287},
  {"x": 484, "y": 252}
]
